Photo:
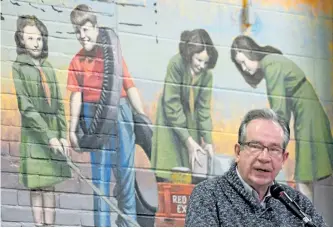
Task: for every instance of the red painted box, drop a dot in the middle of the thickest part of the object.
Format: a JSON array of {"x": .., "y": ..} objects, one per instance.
[{"x": 173, "y": 200}]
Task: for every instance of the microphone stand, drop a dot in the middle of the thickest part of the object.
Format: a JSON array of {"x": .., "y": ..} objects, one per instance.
[
  {"x": 307, "y": 221},
  {"x": 277, "y": 191},
  {"x": 304, "y": 217}
]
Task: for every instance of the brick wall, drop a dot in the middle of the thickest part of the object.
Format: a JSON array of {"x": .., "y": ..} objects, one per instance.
[{"x": 149, "y": 32}]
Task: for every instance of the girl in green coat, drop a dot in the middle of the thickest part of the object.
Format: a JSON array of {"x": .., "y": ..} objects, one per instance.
[
  {"x": 43, "y": 124},
  {"x": 290, "y": 93},
  {"x": 183, "y": 122}
]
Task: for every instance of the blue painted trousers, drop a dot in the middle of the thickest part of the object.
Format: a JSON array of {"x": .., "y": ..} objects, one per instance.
[{"x": 122, "y": 164}]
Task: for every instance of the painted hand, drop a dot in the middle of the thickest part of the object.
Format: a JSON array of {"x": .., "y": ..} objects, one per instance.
[
  {"x": 65, "y": 145},
  {"x": 55, "y": 145},
  {"x": 193, "y": 149},
  {"x": 209, "y": 148}
]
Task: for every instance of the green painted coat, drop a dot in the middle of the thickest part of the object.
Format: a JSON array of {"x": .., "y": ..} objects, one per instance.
[
  {"x": 175, "y": 121},
  {"x": 289, "y": 93},
  {"x": 39, "y": 166}
]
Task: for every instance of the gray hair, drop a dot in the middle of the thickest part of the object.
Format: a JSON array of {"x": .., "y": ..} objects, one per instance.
[{"x": 267, "y": 114}]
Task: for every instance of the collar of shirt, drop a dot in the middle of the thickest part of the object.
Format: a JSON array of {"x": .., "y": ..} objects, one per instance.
[
  {"x": 26, "y": 59},
  {"x": 254, "y": 192}
]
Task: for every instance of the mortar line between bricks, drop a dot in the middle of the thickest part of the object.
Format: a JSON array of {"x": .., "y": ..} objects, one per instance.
[{"x": 152, "y": 37}]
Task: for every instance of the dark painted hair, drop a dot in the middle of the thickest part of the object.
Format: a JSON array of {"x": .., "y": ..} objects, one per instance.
[
  {"x": 81, "y": 14},
  {"x": 253, "y": 52},
  {"x": 28, "y": 20},
  {"x": 196, "y": 41}
]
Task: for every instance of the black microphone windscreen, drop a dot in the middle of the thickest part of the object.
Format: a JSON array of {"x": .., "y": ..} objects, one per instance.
[{"x": 275, "y": 190}]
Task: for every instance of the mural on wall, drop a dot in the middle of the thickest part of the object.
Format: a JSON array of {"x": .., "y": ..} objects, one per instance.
[{"x": 138, "y": 112}]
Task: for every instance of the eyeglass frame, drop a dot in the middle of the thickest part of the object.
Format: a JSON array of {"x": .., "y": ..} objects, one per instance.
[{"x": 262, "y": 148}]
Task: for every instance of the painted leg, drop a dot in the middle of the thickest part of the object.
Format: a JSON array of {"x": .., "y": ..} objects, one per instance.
[
  {"x": 105, "y": 174},
  {"x": 125, "y": 166},
  {"x": 49, "y": 203},
  {"x": 37, "y": 207},
  {"x": 101, "y": 172}
]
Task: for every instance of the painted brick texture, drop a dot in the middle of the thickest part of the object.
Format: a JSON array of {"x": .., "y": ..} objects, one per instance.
[{"x": 149, "y": 33}]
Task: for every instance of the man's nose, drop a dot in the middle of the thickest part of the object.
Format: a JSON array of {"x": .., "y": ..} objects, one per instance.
[{"x": 264, "y": 155}]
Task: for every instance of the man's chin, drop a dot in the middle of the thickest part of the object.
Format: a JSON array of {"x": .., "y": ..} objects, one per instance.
[{"x": 260, "y": 181}]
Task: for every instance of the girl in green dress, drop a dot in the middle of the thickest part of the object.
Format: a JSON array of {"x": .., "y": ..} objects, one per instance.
[
  {"x": 183, "y": 122},
  {"x": 290, "y": 93},
  {"x": 43, "y": 125}
]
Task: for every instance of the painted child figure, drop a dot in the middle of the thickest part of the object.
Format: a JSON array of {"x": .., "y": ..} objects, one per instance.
[
  {"x": 85, "y": 82},
  {"x": 43, "y": 125}
]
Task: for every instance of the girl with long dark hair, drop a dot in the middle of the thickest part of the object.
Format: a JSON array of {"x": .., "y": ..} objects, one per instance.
[{"x": 290, "y": 93}]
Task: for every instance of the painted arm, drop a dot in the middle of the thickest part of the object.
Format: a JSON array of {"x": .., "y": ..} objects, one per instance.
[
  {"x": 132, "y": 92},
  {"x": 172, "y": 102},
  {"x": 175, "y": 114},
  {"x": 276, "y": 89},
  {"x": 61, "y": 118},
  {"x": 135, "y": 99},
  {"x": 204, "y": 109},
  {"x": 75, "y": 107}
]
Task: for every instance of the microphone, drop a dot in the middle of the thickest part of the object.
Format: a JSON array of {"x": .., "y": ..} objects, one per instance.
[{"x": 278, "y": 192}]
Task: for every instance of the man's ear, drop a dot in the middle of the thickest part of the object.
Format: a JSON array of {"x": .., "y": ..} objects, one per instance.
[
  {"x": 285, "y": 156},
  {"x": 237, "y": 150}
]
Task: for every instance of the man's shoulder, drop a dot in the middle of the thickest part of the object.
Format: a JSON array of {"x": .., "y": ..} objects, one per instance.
[
  {"x": 211, "y": 184},
  {"x": 297, "y": 196},
  {"x": 305, "y": 204}
]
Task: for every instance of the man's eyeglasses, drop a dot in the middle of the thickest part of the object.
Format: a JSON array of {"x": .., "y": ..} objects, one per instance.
[{"x": 256, "y": 147}]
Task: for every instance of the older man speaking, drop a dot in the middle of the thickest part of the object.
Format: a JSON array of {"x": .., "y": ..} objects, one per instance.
[{"x": 242, "y": 196}]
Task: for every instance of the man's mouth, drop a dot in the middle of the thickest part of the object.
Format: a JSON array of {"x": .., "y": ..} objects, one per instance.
[{"x": 264, "y": 170}]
